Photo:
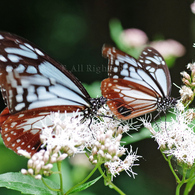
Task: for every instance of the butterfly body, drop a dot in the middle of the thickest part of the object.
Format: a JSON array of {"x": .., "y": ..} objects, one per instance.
[
  {"x": 136, "y": 87},
  {"x": 33, "y": 85}
]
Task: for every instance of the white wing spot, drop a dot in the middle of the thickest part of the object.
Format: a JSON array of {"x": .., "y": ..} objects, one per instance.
[
  {"x": 125, "y": 73},
  {"x": 39, "y": 52},
  {"x": 13, "y": 124},
  {"x": 18, "y": 140},
  {"x": 22, "y": 52},
  {"x": 145, "y": 53},
  {"x": 19, "y": 89},
  {"x": 115, "y": 69},
  {"x": 117, "y": 62},
  {"x": 31, "y": 89},
  {"x": 115, "y": 77},
  {"x": 31, "y": 69},
  {"x": 22, "y": 143},
  {"x": 19, "y": 98},
  {"x": 18, "y": 148},
  {"x": 20, "y": 68},
  {"x": 1, "y": 37},
  {"x": 125, "y": 66},
  {"x": 21, "y": 115},
  {"x": 154, "y": 60},
  {"x": 148, "y": 67},
  {"x": 13, "y": 145},
  {"x": 13, "y": 58},
  {"x": 117, "y": 90},
  {"x": 147, "y": 62},
  {"x": 29, "y": 46},
  {"x": 3, "y": 59},
  {"x": 8, "y": 139},
  {"x": 31, "y": 97},
  {"x": 9, "y": 68},
  {"x": 19, "y": 106}
]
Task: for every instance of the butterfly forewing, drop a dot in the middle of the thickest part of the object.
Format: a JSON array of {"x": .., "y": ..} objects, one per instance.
[
  {"x": 31, "y": 79},
  {"x": 152, "y": 61},
  {"x": 135, "y": 86}
]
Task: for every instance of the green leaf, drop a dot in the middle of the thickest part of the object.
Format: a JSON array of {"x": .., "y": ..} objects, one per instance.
[
  {"x": 85, "y": 185},
  {"x": 26, "y": 184}
]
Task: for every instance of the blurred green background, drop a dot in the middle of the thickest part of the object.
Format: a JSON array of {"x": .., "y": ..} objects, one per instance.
[{"x": 73, "y": 33}]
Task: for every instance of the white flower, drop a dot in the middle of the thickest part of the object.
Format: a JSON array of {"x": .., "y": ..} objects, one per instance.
[
  {"x": 186, "y": 94},
  {"x": 68, "y": 136},
  {"x": 117, "y": 166},
  {"x": 177, "y": 138}
]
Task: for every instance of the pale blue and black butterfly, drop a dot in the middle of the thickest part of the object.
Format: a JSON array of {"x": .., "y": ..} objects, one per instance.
[
  {"x": 32, "y": 85},
  {"x": 136, "y": 87}
]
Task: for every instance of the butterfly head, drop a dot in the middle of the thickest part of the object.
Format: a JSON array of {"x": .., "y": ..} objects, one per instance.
[
  {"x": 96, "y": 104},
  {"x": 163, "y": 104}
]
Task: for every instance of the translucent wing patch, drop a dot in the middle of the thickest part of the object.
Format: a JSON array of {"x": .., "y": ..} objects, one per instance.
[
  {"x": 152, "y": 61},
  {"x": 22, "y": 130},
  {"x": 30, "y": 78}
]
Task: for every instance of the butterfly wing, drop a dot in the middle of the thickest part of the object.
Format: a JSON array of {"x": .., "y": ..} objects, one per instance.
[
  {"x": 22, "y": 130},
  {"x": 134, "y": 86},
  {"x": 33, "y": 85},
  {"x": 29, "y": 78}
]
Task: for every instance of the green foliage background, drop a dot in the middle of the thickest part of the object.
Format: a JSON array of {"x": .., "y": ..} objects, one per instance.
[{"x": 73, "y": 32}]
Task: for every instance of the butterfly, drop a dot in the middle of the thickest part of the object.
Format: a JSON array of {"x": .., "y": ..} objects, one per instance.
[
  {"x": 32, "y": 85},
  {"x": 136, "y": 87}
]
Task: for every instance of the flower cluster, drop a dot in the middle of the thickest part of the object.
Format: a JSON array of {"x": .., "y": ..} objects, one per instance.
[
  {"x": 187, "y": 91},
  {"x": 107, "y": 149},
  {"x": 176, "y": 138},
  {"x": 41, "y": 162},
  {"x": 117, "y": 166},
  {"x": 68, "y": 136}
]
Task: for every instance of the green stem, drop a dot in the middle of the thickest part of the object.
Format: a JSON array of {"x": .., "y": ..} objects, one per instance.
[
  {"x": 170, "y": 165},
  {"x": 190, "y": 182},
  {"x": 59, "y": 164},
  {"x": 181, "y": 181},
  {"x": 189, "y": 186},
  {"x": 178, "y": 188},
  {"x": 109, "y": 183},
  {"x": 80, "y": 183},
  {"x": 55, "y": 190}
]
